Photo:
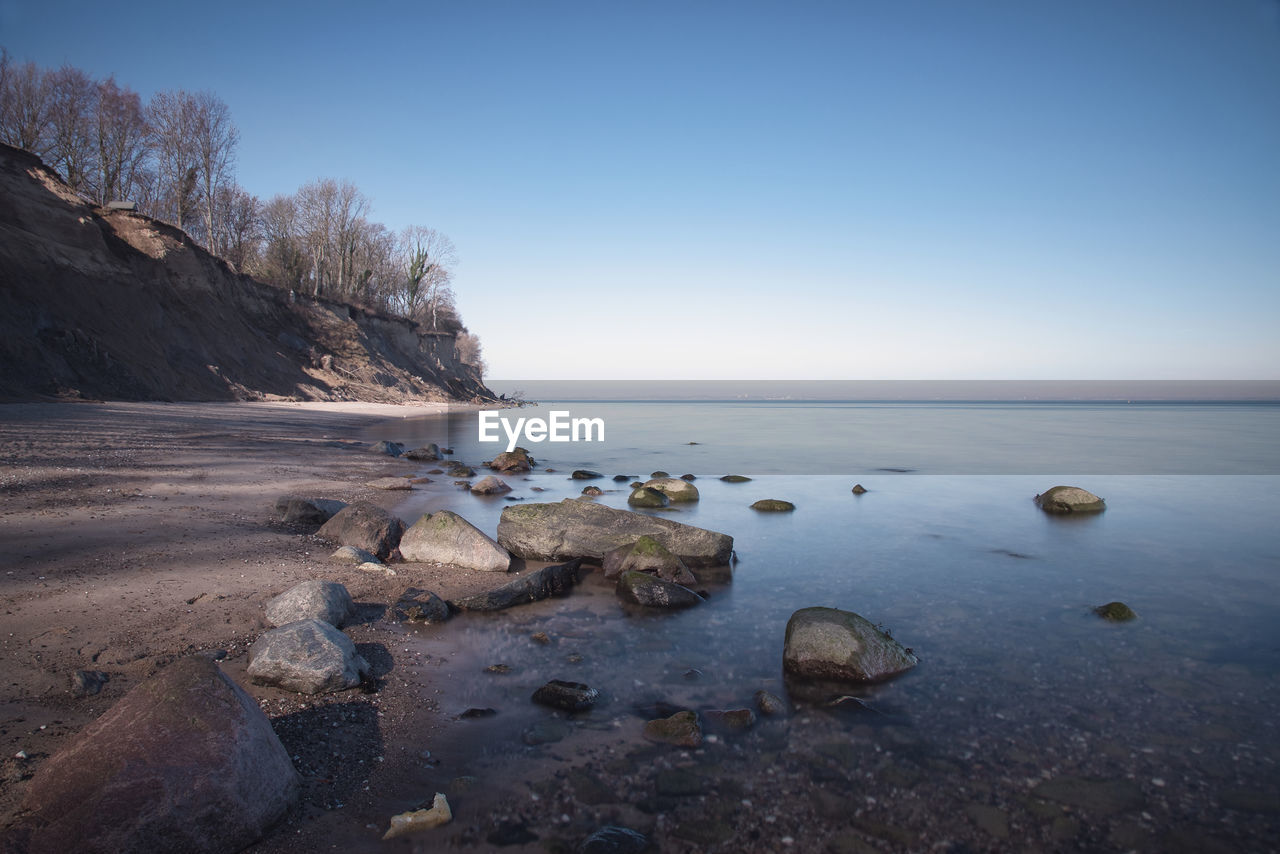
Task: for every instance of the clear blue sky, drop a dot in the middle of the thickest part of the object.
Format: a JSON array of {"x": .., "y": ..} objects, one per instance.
[{"x": 844, "y": 190}]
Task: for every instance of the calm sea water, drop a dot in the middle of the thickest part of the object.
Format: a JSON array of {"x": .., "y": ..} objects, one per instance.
[{"x": 1029, "y": 725}]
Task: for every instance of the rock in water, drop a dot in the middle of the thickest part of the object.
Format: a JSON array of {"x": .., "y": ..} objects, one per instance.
[
  {"x": 674, "y": 488},
  {"x": 681, "y": 729},
  {"x": 642, "y": 588},
  {"x": 736, "y": 478},
  {"x": 548, "y": 581},
  {"x": 412, "y": 822},
  {"x": 186, "y": 761},
  {"x": 568, "y": 696},
  {"x": 490, "y": 486},
  {"x": 297, "y": 510},
  {"x": 770, "y": 704},
  {"x": 643, "y": 496},
  {"x": 648, "y": 555},
  {"x": 445, "y": 537},
  {"x": 425, "y": 454},
  {"x": 308, "y": 657},
  {"x": 773, "y": 505},
  {"x": 1069, "y": 499},
  {"x": 512, "y": 461},
  {"x": 585, "y": 474},
  {"x": 827, "y": 643},
  {"x": 859, "y": 489},
  {"x": 365, "y": 526},
  {"x": 574, "y": 528},
  {"x": 327, "y": 601},
  {"x": 1115, "y": 612},
  {"x": 391, "y": 449},
  {"x": 421, "y": 606}
]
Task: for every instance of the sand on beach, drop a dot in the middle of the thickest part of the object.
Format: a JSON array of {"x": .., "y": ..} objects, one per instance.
[{"x": 132, "y": 534}]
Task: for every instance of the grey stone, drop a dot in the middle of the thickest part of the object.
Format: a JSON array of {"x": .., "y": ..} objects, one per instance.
[
  {"x": 445, "y": 537},
  {"x": 391, "y": 449},
  {"x": 643, "y": 496},
  {"x": 736, "y": 478},
  {"x": 186, "y": 761},
  {"x": 770, "y": 704},
  {"x": 677, "y": 489},
  {"x": 421, "y": 606},
  {"x": 652, "y": 592},
  {"x": 574, "y": 528},
  {"x": 328, "y": 601},
  {"x": 567, "y": 696},
  {"x": 512, "y": 461},
  {"x": 548, "y": 581},
  {"x": 425, "y": 454},
  {"x": 88, "y": 683},
  {"x": 1069, "y": 499},
  {"x": 353, "y": 556},
  {"x": 309, "y": 657},
  {"x": 585, "y": 474},
  {"x": 830, "y": 644},
  {"x": 681, "y": 729},
  {"x": 297, "y": 510},
  {"x": 490, "y": 486},
  {"x": 647, "y": 555},
  {"x": 365, "y": 526}
]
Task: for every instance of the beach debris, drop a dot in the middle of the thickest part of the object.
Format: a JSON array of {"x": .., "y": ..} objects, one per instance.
[
  {"x": 643, "y": 496},
  {"x": 312, "y": 600},
  {"x": 585, "y": 474},
  {"x": 490, "y": 486},
  {"x": 770, "y": 704},
  {"x": 570, "y": 528},
  {"x": 297, "y": 510},
  {"x": 307, "y": 657},
  {"x": 390, "y": 483},
  {"x": 418, "y": 820},
  {"x": 647, "y": 555},
  {"x": 352, "y": 555},
  {"x": 365, "y": 526},
  {"x": 447, "y": 538},
  {"x": 88, "y": 683},
  {"x": 1115, "y": 612},
  {"x": 773, "y": 505},
  {"x": 566, "y": 696},
  {"x": 830, "y": 644},
  {"x": 390, "y": 449},
  {"x": 548, "y": 581},
  {"x": 1069, "y": 499},
  {"x": 421, "y": 606},
  {"x": 674, "y": 488},
  {"x": 425, "y": 454},
  {"x": 642, "y": 588},
  {"x": 681, "y": 729},
  {"x": 186, "y": 757}
]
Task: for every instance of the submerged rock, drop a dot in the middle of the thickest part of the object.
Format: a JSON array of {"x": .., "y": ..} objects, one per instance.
[
  {"x": 614, "y": 839},
  {"x": 417, "y": 820},
  {"x": 186, "y": 761},
  {"x": 730, "y": 720},
  {"x": 681, "y": 729},
  {"x": 327, "y": 601},
  {"x": 647, "y": 555},
  {"x": 622, "y": 478},
  {"x": 859, "y": 489},
  {"x": 830, "y": 644},
  {"x": 585, "y": 474},
  {"x": 642, "y": 588},
  {"x": 773, "y": 505},
  {"x": 736, "y": 478},
  {"x": 574, "y": 528},
  {"x": 425, "y": 454},
  {"x": 309, "y": 657},
  {"x": 390, "y": 449},
  {"x": 770, "y": 704},
  {"x": 512, "y": 461},
  {"x": 490, "y": 486},
  {"x": 1069, "y": 499},
  {"x": 297, "y": 510},
  {"x": 364, "y": 526},
  {"x": 548, "y": 581},
  {"x": 567, "y": 696},
  {"x": 675, "y": 488},
  {"x": 1115, "y": 612},
  {"x": 421, "y": 606},
  {"x": 461, "y": 470},
  {"x": 643, "y": 496},
  {"x": 445, "y": 537}
]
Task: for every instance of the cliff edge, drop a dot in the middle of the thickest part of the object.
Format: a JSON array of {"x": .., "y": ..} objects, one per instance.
[{"x": 109, "y": 304}]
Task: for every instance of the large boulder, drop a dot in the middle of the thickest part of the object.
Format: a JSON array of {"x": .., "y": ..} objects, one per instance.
[
  {"x": 327, "y": 601},
  {"x": 835, "y": 645},
  {"x": 297, "y": 510},
  {"x": 575, "y": 528},
  {"x": 643, "y": 496},
  {"x": 1069, "y": 499},
  {"x": 548, "y": 581},
  {"x": 365, "y": 526},
  {"x": 647, "y": 555},
  {"x": 490, "y": 486},
  {"x": 641, "y": 588},
  {"x": 677, "y": 489},
  {"x": 512, "y": 461},
  {"x": 186, "y": 761},
  {"x": 445, "y": 537},
  {"x": 309, "y": 657}
]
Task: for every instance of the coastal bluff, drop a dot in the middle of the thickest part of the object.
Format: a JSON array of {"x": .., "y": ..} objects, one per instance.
[{"x": 98, "y": 303}]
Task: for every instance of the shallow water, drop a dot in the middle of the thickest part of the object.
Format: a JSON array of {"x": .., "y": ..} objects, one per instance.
[{"x": 1030, "y": 723}]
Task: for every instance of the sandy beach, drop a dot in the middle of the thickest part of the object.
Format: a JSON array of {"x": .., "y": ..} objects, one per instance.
[{"x": 132, "y": 534}]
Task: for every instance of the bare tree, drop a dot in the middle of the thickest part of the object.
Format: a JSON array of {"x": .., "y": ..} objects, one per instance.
[
  {"x": 281, "y": 261},
  {"x": 171, "y": 119},
  {"x": 70, "y": 148},
  {"x": 214, "y": 141},
  {"x": 239, "y": 214},
  {"x": 328, "y": 211},
  {"x": 427, "y": 261},
  {"x": 470, "y": 353},
  {"x": 121, "y": 131},
  {"x": 24, "y": 108}
]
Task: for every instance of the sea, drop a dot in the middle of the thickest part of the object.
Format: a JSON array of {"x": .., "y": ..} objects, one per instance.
[{"x": 1030, "y": 724}]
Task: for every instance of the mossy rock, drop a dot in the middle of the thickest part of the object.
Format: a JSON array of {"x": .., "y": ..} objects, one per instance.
[
  {"x": 674, "y": 488},
  {"x": 1115, "y": 612},
  {"x": 736, "y": 478},
  {"x": 643, "y": 496},
  {"x": 585, "y": 474},
  {"x": 773, "y": 505}
]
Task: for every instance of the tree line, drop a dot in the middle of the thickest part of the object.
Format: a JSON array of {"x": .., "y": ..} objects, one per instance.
[{"x": 174, "y": 157}]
